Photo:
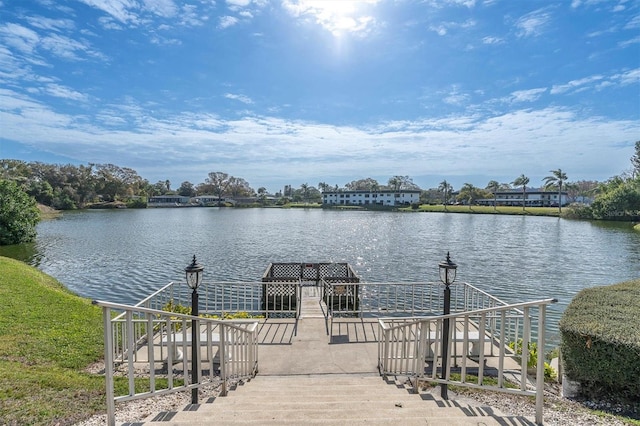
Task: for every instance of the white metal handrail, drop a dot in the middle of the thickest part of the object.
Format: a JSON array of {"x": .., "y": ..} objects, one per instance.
[
  {"x": 403, "y": 298},
  {"x": 407, "y": 346},
  {"x": 412, "y": 298},
  {"x": 142, "y": 341},
  {"x": 222, "y": 297}
]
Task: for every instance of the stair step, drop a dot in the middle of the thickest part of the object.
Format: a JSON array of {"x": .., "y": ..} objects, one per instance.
[
  {"x": 328, "y": 398},
  {"x": 337, "y": 416},
  {"x": 378, "y": 421},
  {"x": 331, "y": 400},
  {"x": 296, "y": 388},
  {"x": 363, "y": 405}
]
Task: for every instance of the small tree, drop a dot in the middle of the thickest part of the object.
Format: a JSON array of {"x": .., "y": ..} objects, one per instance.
[
  {"x": 635, "y": 161},
  {"x": 522, "y": 181},
  {"x": 494, "y": 187},
  {"x": 18, "y": 215},
  {"x": 447, "y": 189},
  {"x": 557, "y": 178}
]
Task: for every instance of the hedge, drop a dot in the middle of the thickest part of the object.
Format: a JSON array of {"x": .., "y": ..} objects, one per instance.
[{"x": 600, "y": 332}]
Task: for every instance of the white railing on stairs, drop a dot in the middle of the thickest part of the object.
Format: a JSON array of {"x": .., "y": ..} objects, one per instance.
[
  {"x": 478, "y": 347},
  {"x": 147, "y": 352}
]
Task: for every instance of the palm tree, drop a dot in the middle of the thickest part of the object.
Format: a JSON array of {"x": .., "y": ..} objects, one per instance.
[
  {"x": 447, "y": 189},
  {"x": 522, "y": 181},
  {"x": 494, "y": 186},
  {"x": 324, "y": 187},
  {"x": 558, "y": 177},
  {"x": 262, "y": 194},
  {"x": 305, "y": 192},
  {"x": 468, "y": 192}
]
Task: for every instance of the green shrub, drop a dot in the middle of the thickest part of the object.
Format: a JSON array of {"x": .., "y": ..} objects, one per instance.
[
  {"x": 138, "y": 203},
  {"x": 186, "y": 310},
  {"x": 601, "y": 341},
  {"x": 532, "y": 358},
  {"x": 18, "y": 214},
  {"x": 577, "y": 211}
]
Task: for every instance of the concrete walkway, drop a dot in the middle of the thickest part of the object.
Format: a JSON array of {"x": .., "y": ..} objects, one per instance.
[{"x": 289, "y": 347}]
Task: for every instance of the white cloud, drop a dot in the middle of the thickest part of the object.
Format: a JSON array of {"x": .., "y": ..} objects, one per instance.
[
  {"x": 65, "y": 93},
  {"x": 242, "y": 98},
  {"x": 627, "y": 78},
  {"x": 441, "y": 3},
  {"x": 227, "y": 21},
  {"x": 627, "y": 43},
  {"x": 492, "y": 40},
  {"x": 527, "y": 95},
  {"x": 574, "y": 84},
  {"x": 462, "y": 144},
  {"x": 50, "y": 24},
  {"x": 164, "y": 8},
  {"x": 238, "y": 3},
  {"x": 455, "y": 97},
  {"x": 19, "y": 37},
  {"x": 533, "y": 24},
  {"x": 121, "y": 10},
  {"x": 190, "y": 16},
  {"x": 444, "y": 27},
  {"x": 337, "y": 17},
  {"x": 633, "y": 23}
]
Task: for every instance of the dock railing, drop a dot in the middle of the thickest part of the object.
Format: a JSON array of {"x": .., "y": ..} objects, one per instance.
[
  {"x": 146, "y": 352},
  {"x": 413, "y": 347},
  {"x": 367, "y": 299},
  {"x": 277, "y": 297}
]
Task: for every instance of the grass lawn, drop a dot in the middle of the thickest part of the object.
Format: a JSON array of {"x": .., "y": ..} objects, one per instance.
[
  {"x": 47, "y": 337},
  {"x": 511, "y": 210}
]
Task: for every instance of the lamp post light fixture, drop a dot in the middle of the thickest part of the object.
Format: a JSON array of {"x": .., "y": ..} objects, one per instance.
[
  {"x": 193, "y": 274},
  {"x": 447, "y": 275}
]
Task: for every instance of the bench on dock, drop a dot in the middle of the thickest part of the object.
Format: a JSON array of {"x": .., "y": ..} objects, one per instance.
[
  {"x": 177, "y": 341},
  {"x": 473, "y": 337}
]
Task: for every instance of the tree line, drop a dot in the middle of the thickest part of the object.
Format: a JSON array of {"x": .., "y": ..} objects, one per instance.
[{"x": 69, "y": 186}]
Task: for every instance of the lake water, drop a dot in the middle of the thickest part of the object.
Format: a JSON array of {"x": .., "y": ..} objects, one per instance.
[{"x": 124, "y": 255}]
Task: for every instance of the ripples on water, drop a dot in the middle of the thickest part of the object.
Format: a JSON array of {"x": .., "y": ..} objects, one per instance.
[{"x": 124, "y": 255}]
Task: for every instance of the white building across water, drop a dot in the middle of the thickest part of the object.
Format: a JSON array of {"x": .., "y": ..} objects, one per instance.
[
  {"x": 533, "y": 197},
  {"x": 365, "y": 197}
]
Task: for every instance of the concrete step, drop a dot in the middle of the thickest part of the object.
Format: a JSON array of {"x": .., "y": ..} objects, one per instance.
[
  {"x": 378, "y": 421},
  {"x": 262, "y": 404},
  {"x": 321, "y": 415},
  {"x": 330, "y": 400}
]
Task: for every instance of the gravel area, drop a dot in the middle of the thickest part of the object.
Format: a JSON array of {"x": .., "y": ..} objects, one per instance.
[
  {"x": 139, "y": 410},
  {"x": 558, "y": 411}
]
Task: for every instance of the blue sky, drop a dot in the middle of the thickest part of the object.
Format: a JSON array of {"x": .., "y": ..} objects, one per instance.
[{"x": 293, "y": 91}]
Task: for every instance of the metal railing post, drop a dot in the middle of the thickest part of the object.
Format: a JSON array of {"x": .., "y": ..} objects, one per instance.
[
  {"x": 223, "y": 356},
  {"x": 108, "y": 366},
  {"x": 540, "y": 370}
]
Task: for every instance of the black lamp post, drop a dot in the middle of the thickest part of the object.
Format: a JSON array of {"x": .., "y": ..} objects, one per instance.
[
  {"x": 193, "y": 274},
  {"x": 447, "y": 275}
]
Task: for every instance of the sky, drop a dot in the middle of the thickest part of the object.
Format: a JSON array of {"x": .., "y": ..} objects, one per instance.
[{"x": 294, "y": 91}]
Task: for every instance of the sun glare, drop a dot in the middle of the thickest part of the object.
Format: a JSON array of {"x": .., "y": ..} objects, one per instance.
[{"x": 338, "y": 16}]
